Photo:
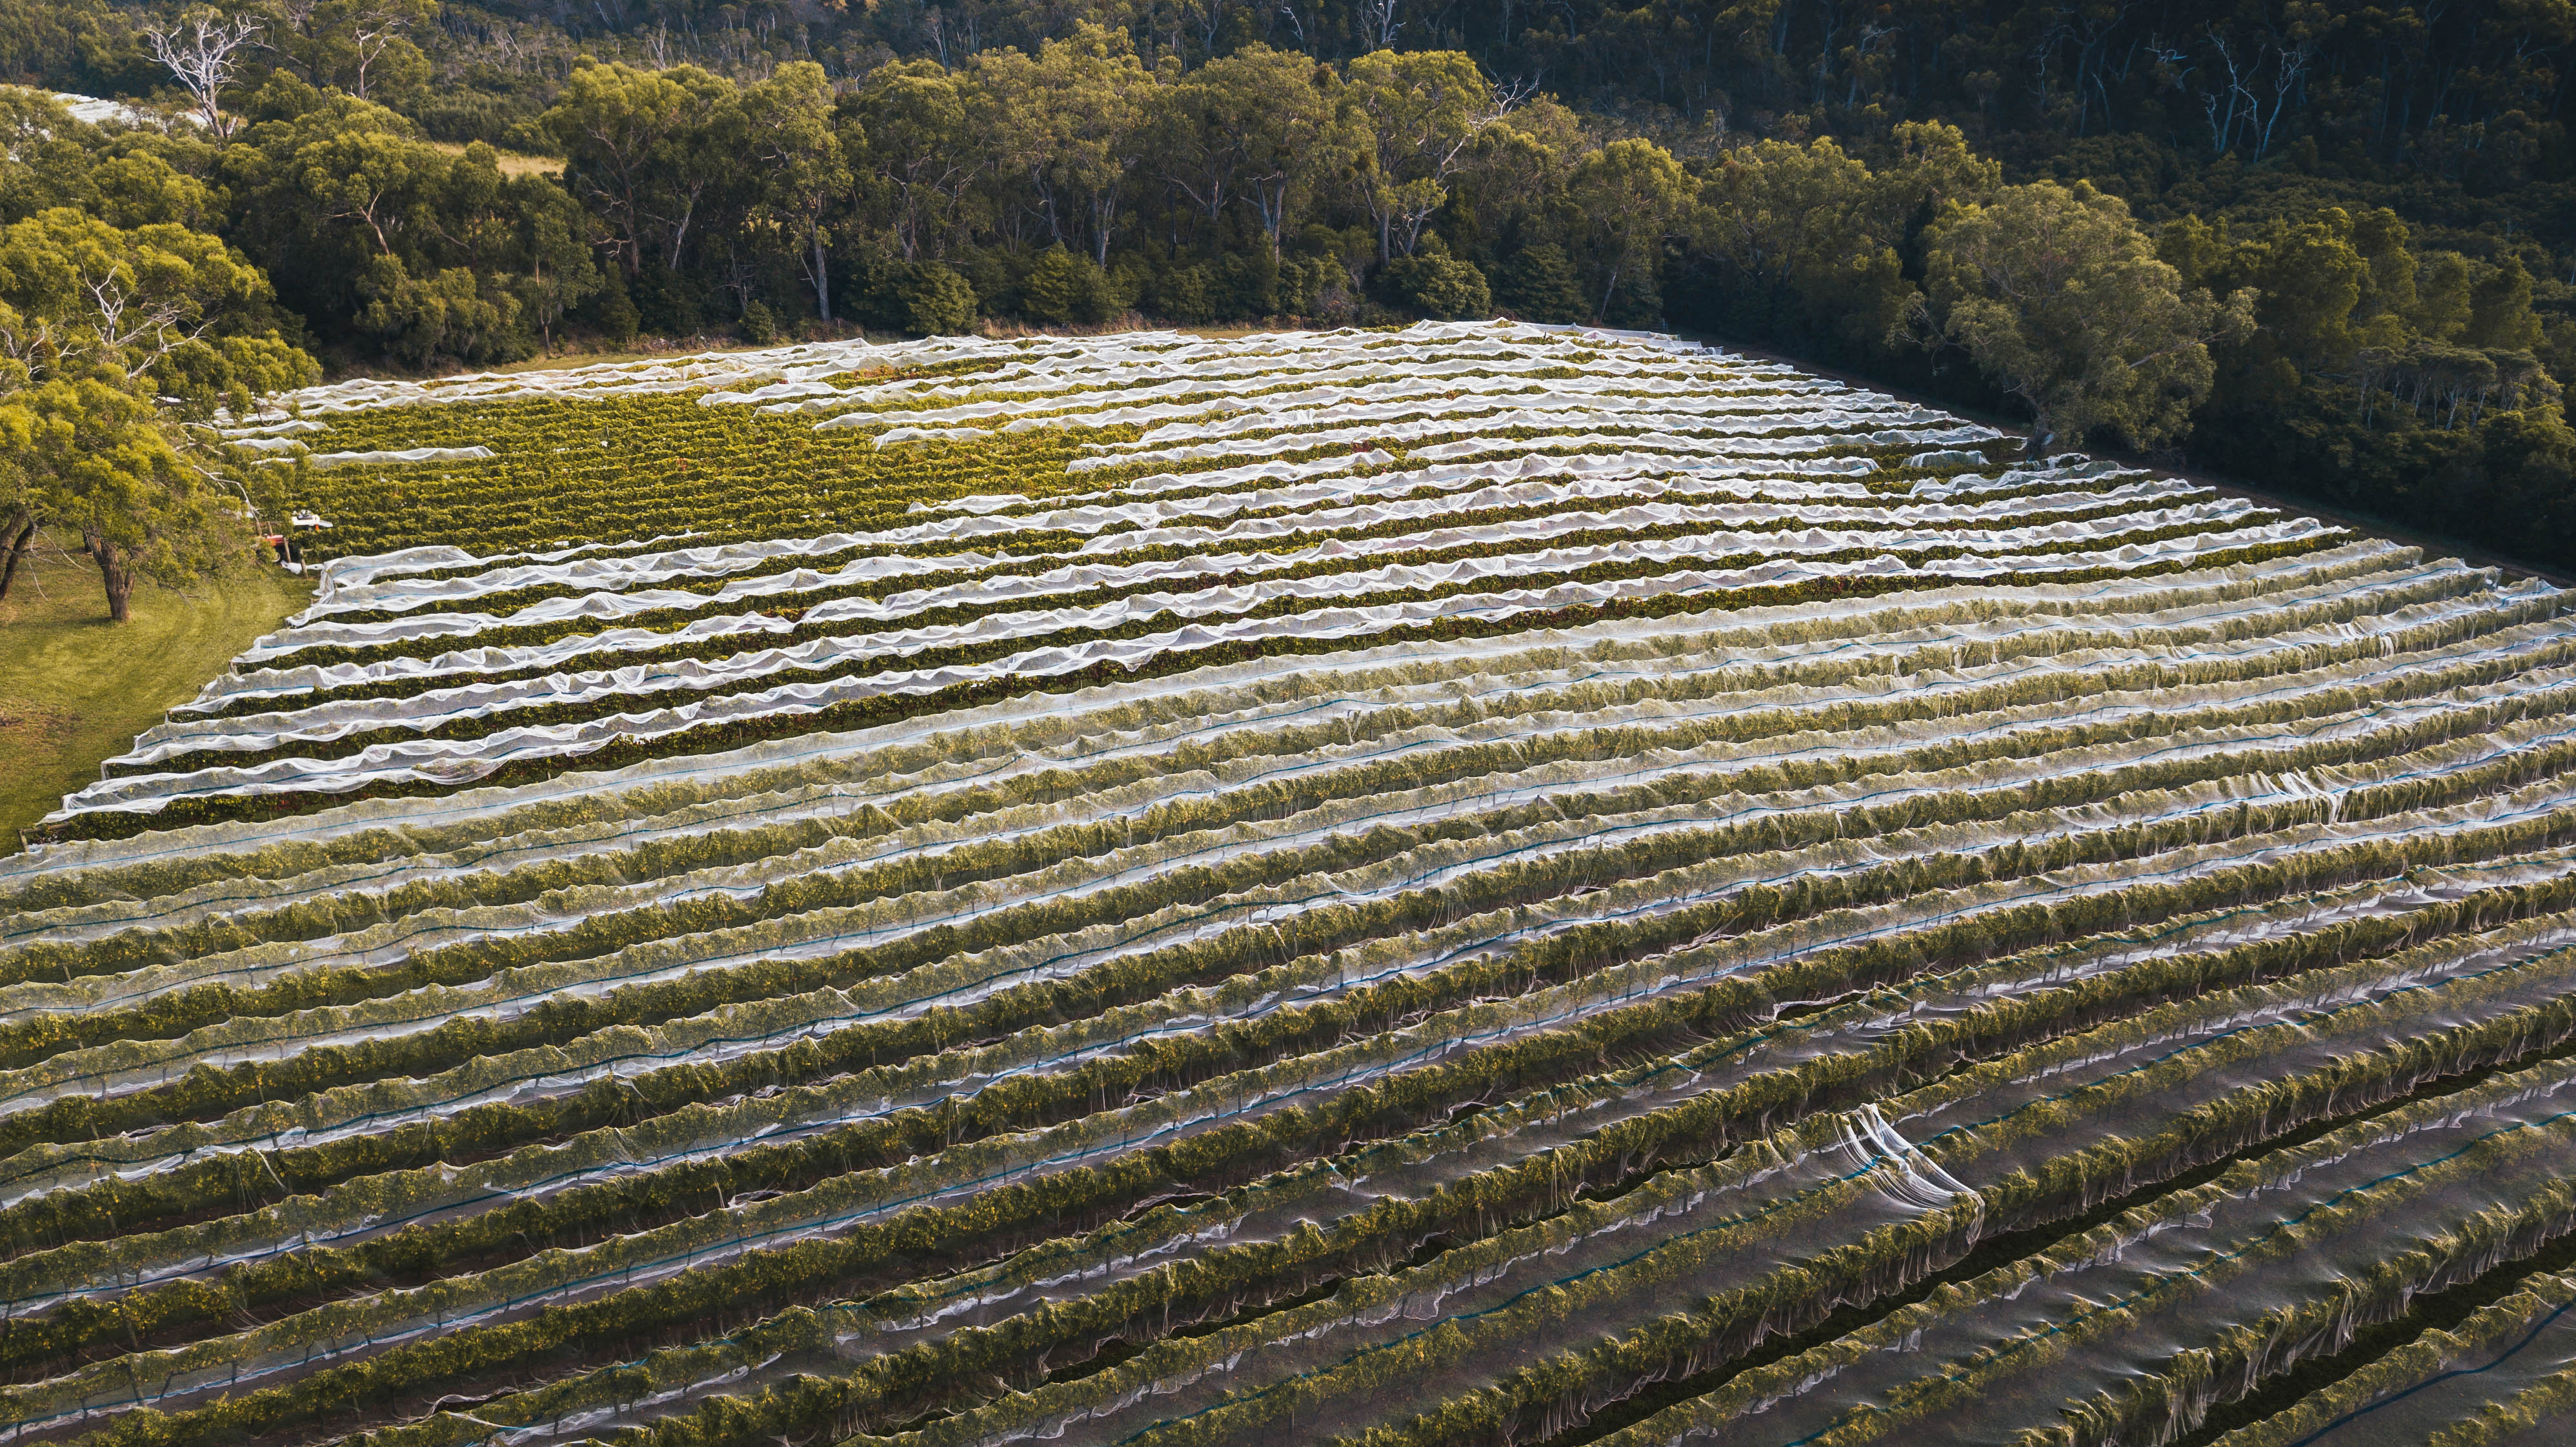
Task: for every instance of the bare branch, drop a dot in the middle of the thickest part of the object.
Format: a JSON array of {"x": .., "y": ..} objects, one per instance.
[
  {"x": 1379, "y": 21},
  {"x": 203, "y": 53}
]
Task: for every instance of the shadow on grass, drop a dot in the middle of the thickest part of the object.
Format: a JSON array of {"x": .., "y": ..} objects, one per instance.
[{"x": 75, "y": 689}]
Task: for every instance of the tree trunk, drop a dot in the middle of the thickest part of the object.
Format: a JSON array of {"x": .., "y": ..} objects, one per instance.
[
  {"x": 822, "y": 278},
  {"x": 2035, "y": 448},
  {"x": 20, "y": 538},
  {"x": 116, "y": 573},
  {"x": 120, "y": 590},
  {"x": 680, "y": 234}
]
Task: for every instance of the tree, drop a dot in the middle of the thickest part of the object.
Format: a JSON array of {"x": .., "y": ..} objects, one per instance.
[
  {"x": 1067, "y": 286},
  {"x": 323, "y": 187},
  {"x": 121, "y": 487},
  {"x": 21, "y": 505},
  {"x": 908, "y": 127},
  {"x": 1254, "y": 127},
  {"x": 130, "y": 300},
  {"x": 561, "y": 267},
  {"x": 1071, "y": 119},
  {"x": 646, "y": 148},
  {"x": 46, "y": 157},
  {"x": 1512, "y": 189},
  {"x": 452, "y": 312},
  {"x": 362, "y": 223},
  {"x": 1777, "y": 212},
  {"x": 788, "y": 121},
  {"x": 1413, "y": 115},
  {"x": 97, "y": 327},
  {"x": 1633, "y": 194},
  {"x": 1806, "y": 242},
  {"x": 2442, "y": 296},
  {"x": 2058, "y": 296},
  {"x": 1538, "y": 284},
  {"x": 142, "y": 189},
  {"x": 2309, "y": 278},
  {"x": 2500, "y": 315},
  {"x": 1436, "y": 284},
  {"x": 203, "y": 50},
  {"x": 1933, "y": 168},
  {"x": 361, "y": 46},
  {"x": 924, "y": 298},
  {"x": 370, "y": 178}
]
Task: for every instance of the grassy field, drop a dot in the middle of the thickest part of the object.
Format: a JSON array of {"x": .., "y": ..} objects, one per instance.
[{"x": 75, "y": 688}]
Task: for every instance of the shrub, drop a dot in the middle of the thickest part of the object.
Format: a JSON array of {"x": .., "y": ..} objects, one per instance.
[
  {"x": 611, "y": 310},
  {"x": 1435, "y": 284},
  {"x": 1065, "y": 286},
  {"x": 924, "y": 298},
  {"x": 1181, "y": 293}
]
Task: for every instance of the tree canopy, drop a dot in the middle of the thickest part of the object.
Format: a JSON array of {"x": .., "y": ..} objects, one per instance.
[
  {"x": 109, "y": 340},
  {"x": 2391, "y": 189},
  {"x": 2058, "y": 296}
]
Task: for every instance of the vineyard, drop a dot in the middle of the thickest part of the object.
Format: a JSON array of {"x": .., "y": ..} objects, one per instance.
[{"x": 1483, "y": 884}]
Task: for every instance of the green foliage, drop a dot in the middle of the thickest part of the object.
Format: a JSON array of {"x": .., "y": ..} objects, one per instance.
[
  {"x": 788, "y": 121},
  {"x": 1805, "y": 244},
  {"x": 453, "y": 314},
  {"x": 1061, "y": 287},
  {"x": 1798, "y": 217},
  {"x": 1635, "y": 195},
  {"x": 1432, "y": 283},
  {"x": 97, "y": 327},
  {"x": 1067, "y": 118},
  {"x": 923, "y": 298},
  {"x": 1537, "y": 284},
  {"x": 363, "y": 47},
  {"x": 742, "y": 158},
  {"x": 429, "y": 256},
  {"x": 2058, "y": 296},
  {"x": 2387, "y": 374},
  {"x": 643, "y": 149},
  {"x": 1253, "y": 130},
  {"x": 611, "y": 309},
  {"x": 1412, "y": 116}
]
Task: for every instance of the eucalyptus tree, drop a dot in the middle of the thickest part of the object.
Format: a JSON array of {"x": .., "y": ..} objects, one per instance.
[
  {"x": 2058, "y": 296},
  {"x": 1071, "y": 122},
  {"x": 906, "y": 133},
  {"x": 1256, "y": 128},
  {"x": 1413, "y": 115},
  {"x": 787, "y": 122},
  {"x": 110, "y": 340},
  {"x": 645, "y": 149}
]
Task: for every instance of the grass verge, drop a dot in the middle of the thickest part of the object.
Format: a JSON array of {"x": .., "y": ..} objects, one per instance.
[{"x": 76, "y": 689}]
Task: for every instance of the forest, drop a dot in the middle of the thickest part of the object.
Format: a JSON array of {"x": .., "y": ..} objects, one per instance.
[{"x": 2329, "y": 247}]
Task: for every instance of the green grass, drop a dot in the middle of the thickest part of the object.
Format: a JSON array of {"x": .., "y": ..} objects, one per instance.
[{"x": 75, "y": 688}]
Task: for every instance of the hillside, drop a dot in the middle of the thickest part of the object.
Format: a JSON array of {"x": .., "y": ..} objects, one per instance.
[{"x": 1476, "y": 883}]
